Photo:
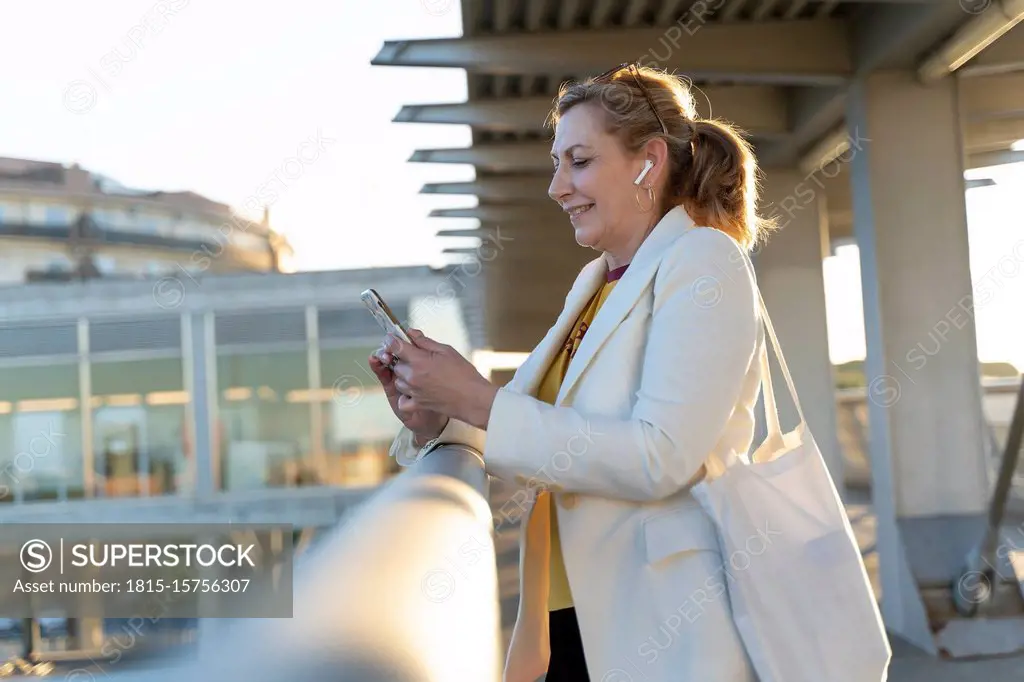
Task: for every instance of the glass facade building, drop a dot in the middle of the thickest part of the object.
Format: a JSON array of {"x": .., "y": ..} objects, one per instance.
[
  {"x": 250, "y": 382},
  {"x": 200, "y": 398}
]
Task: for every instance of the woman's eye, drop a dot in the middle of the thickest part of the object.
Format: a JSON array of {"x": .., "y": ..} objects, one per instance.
[{"x": 580, "y": 163}]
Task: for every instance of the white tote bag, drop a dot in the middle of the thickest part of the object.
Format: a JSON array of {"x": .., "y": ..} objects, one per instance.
[{"x": 800, "y": 594}]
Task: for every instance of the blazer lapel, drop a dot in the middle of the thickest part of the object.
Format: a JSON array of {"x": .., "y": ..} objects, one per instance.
[
  {"x": 625, "y": 294},
  {"x": 530, "y": 373}
]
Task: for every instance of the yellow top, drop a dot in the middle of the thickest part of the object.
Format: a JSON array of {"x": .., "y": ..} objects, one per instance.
[{"x": 560, "y": 596}]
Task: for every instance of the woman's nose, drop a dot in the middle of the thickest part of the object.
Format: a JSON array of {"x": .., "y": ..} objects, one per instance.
[{"x": 559, "y": 188}]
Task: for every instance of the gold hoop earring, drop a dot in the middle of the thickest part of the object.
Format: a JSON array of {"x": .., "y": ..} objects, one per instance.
[{"x": 651, "y": 194}]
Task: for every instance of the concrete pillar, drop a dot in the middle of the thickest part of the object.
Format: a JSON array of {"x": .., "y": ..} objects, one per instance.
[
  {"x": 211, "y": 626},
  {"x": 30, "y": 637},
  {"x": 86, "y": 634},
  {"x": 200, "y": 367},
  {"x": 929, "y": 477},
  {"x": 789, "y": 274}
]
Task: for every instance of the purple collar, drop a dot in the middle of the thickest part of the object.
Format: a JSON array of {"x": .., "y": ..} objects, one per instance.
[{"x": 617, "y": 273}]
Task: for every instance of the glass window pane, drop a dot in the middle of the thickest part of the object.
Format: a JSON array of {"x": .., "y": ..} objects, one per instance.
[
  {"x": 14, "y": 211},
  {"x": 359, "y": 425},
  {"x": 57, "y": 215},
  {"x": 40, "y": 432},
  {"x": 264, "y": 427},
  {"x": 140, "y": 441},
  {"x": 35, "y": 213}
]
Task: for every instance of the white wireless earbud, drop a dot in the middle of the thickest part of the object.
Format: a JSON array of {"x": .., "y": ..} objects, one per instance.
[{"x": 648, "y": 164}]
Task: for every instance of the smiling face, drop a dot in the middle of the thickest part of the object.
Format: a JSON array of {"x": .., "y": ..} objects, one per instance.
[{"x": 593, "y": 183}]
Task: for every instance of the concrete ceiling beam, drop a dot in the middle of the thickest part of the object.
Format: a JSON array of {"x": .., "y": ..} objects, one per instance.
[
  {"x": 993, "y": 135},
  {"x": 541, "y": 235},
  {"x": 805, "y": 51},
  {"x": 997, "y": 158},
  {"x": 990, "y": 22},
  {"x": 507, "y": 114},
  {"x": 760, "y": 110},
  {"x": 493, "y": 158},
  {"x": 504, "y": 213},
  {"x": 573, "y": 255},
  {"x": 500, "y": 188},
  {"x": 497, "y": 240},
  {"x": 1002, "y": 56},
  {"x": 995, "y": 96},
  {"x": 568, "y": 11},
  {"x": 883, "y": 35},
  {"x": 989, "y": 133}
]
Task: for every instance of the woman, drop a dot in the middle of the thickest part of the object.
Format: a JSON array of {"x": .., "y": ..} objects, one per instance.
[{"x": 650, "y": 367}]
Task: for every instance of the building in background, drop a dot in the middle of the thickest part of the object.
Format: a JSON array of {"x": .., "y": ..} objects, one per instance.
[
  {"x": 138, "y": 388},
  {"x": 201, "y": 398},
  {"x": 62, "y": 223}
]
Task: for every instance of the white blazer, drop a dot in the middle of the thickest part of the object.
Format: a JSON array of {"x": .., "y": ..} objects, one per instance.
[{"x": 667, "y": 374}]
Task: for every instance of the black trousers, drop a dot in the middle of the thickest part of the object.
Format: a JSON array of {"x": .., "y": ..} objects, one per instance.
[{"x": 567, "y": 661}]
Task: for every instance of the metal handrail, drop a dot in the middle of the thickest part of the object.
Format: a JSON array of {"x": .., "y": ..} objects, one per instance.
[
  {"x": 404, "y": 590},
  {"x": 968, "y": 595}
]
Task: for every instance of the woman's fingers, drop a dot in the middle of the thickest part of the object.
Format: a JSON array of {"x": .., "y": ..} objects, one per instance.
[
  {"x": 384, "y": 375},
  {"x": 382, "y": 354},
  {"x": 403, "y": 370},
  {"x": 407, "y": 404},
  {"x": 425, "y": 342},
  {"x": 379, "y": 369},
  {"x": 406, "y": 351},
  {"x": 382, "y": 369},
  {"x": 402, "y": 386}
]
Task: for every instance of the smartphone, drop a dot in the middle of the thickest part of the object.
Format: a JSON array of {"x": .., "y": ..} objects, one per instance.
[{"x": 385, "y": 318}]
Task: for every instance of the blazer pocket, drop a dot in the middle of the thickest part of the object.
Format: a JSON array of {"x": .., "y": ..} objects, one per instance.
[{"x": 678, "y": 530}]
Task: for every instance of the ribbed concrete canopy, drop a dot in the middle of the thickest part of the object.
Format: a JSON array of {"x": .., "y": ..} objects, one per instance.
[{"x": 780, "y": 69}]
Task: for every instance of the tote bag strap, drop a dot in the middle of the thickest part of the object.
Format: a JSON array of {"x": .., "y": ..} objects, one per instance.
[
  {"x": 771, "y": 411},
  {"x": 770, "y": 407}
]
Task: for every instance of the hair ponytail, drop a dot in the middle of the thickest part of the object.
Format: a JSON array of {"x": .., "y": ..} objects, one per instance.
[{"x": 715, "y": 179}]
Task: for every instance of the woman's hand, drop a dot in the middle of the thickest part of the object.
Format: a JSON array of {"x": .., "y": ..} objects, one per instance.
[
  {"x": 424, "y": 423},
  {"x": 437, "y": 378}
]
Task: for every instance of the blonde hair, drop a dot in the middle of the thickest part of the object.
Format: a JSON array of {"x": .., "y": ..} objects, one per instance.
[{"x": 713, "y": 171}]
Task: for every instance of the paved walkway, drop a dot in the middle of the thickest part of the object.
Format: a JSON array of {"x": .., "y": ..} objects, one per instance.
[
  {"x": 907, "y": 667},
  {"x": 912, "y": 666}
]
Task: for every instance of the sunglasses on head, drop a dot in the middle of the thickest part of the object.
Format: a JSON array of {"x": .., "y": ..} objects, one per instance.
[{"x": 631, "y": 67}]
